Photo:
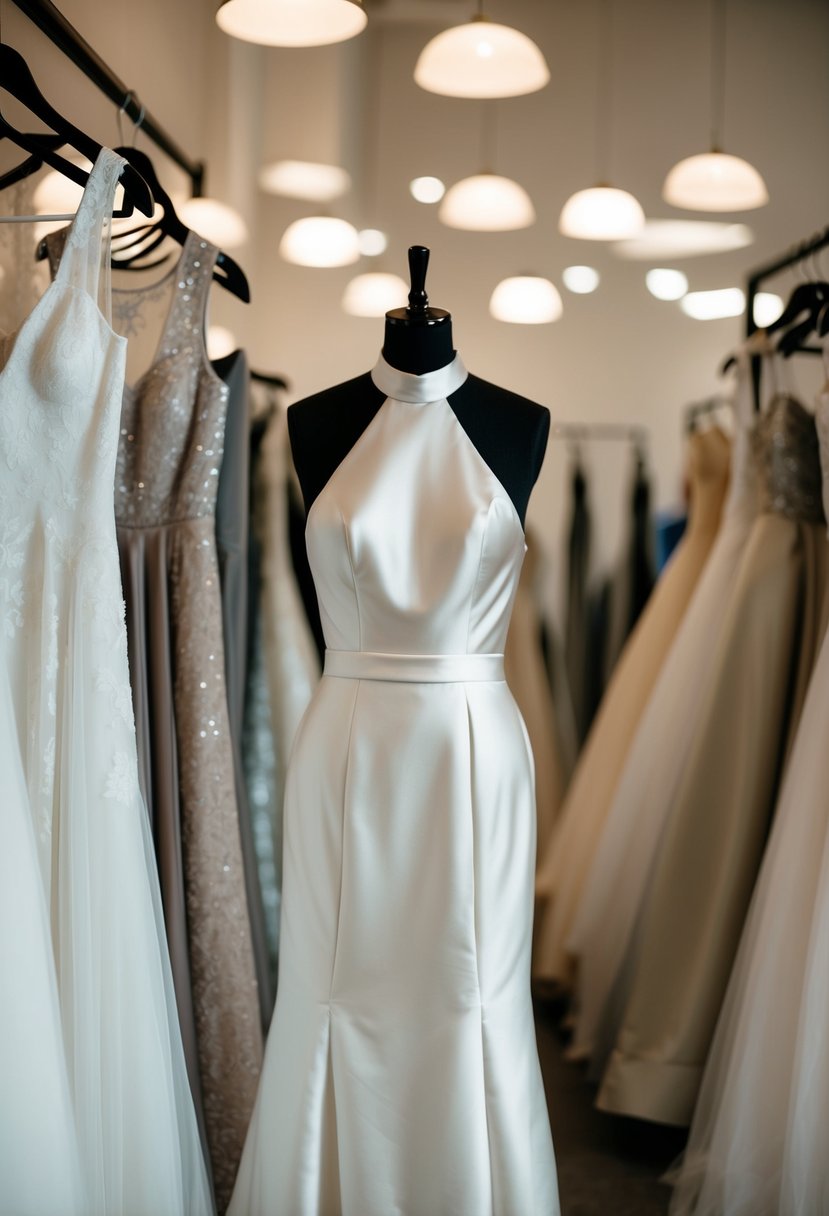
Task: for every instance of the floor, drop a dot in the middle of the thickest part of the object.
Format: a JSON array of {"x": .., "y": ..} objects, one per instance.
[{"x": 606, "y": 1166}]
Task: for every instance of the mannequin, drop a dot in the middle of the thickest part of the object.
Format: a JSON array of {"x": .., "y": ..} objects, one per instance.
[{"x": 509, "y": 431}]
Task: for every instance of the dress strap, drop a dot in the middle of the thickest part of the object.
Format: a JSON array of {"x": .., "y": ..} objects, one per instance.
[
  {"x": 186, "y": 321},
  {"x": 87, "y": 248}
]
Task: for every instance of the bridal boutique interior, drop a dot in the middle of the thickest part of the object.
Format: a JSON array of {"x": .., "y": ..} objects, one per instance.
[{"x": 215, "y": 794}]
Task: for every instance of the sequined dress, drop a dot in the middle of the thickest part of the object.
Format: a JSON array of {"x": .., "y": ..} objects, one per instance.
[
  {"x": 710, "y": 854},
  {"x": 169, "y": 455}
]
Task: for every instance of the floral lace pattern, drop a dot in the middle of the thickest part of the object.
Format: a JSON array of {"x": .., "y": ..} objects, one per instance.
[{"x": 64, "y": 654}]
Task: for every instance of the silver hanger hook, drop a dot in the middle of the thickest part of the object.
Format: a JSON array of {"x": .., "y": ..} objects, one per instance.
[{"x": 131, "y": 96}]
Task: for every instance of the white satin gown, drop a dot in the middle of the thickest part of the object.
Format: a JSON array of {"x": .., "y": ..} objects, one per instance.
[{"x": 401, "y": 1073}]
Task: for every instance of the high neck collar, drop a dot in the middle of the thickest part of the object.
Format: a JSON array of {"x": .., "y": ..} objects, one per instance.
[{"x": 431, "y": 386}]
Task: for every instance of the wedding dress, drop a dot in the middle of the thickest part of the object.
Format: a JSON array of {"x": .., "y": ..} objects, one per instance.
[
  {"x": 69, "y": 755},
  {"x": 713, "y": 842},
  {"x": 606, "y": 915},
  {"x": 757, "y": 1142},
  {"x": 401, "y": 1072},
  {"x": 564, "y": 868}
]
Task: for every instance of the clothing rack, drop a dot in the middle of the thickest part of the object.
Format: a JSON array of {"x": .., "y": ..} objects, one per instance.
[
  {"x": 797, "y": 253},
  {"x": 699, "y": 409},
  {"x": 577, "y": 431},
  {"x": 66, "y": 38}
]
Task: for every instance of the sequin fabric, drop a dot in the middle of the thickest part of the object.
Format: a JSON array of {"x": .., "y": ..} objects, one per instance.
[
  {"x": 169, "y": 456},
  {"x": 787, "y": 454}
]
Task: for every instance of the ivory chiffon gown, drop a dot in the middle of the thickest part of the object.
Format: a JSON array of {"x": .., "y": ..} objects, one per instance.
[
  {"x": 748, "y": 1155},
  {"x": 401, "y": 1073}
]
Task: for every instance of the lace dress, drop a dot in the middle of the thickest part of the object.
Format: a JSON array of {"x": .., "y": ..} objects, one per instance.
[{"x": 69, "y": 764}]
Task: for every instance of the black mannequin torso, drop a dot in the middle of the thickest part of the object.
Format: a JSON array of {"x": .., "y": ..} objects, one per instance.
[{"x": 509, "y": 432}]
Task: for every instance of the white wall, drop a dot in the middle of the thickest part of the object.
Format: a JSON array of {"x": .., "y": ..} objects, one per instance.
[{"x": 618, "y": 354}]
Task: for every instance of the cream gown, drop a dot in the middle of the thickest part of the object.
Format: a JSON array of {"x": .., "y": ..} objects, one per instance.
[
  {"x": 713, "y": 844},
  {"x": 564, "y": 868},
  {"x": 614, "y": 889},
  {"x": 401, "y": 1073},
  {"x": 757, "y": 1143}
]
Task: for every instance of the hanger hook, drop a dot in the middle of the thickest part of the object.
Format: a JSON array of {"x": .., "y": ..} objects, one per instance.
[{"x": 131, "y": 96}]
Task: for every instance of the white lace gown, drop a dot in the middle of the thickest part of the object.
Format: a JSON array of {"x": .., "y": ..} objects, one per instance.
[
  {"x": 618, "y": 876},
  {"x": 401, "y": 1073},
  {"x": 104, "y": 1124},
  {"x": 758, "y": 1140}
]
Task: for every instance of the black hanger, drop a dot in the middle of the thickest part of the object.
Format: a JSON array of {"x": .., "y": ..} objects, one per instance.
[
  {"x": 809, "y": 299},
  {"x": 32, "y": 164},
  {"x": 17, "y": 79},
  {"x": 227, "y": 272}
]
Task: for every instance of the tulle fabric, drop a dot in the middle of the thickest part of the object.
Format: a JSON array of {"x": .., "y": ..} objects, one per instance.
[
  {"x": 68, "y": 746},
  {"x": 41, "y": 1131},
  {"x": 757, "y": 1143}
]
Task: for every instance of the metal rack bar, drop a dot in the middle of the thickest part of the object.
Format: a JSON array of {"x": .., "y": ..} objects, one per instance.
[
  {"x": 58, "y": 30},
  {"x": 797, "y": 253},
  {"x": 629, "y": 433}
]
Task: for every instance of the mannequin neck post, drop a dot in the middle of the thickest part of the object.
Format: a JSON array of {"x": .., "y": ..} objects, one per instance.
[{"x": 419, "y": 345}]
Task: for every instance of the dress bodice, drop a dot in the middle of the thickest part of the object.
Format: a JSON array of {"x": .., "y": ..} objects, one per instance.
[
  {"x": 414, "y": 544},
  {"x": 173, "y": 416},
  {"x": 787, "y": 456}
]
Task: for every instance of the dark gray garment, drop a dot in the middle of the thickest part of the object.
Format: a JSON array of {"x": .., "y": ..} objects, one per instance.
[
  {"x": 577, "y": 635},
  {"x": 232, "y": 520}
]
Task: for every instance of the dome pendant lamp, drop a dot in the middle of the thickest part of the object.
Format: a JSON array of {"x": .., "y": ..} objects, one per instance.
[
  {"x": 715, "y": 181},
  {"x": 602, "y": 212},
  {"x": 292, "y": 22},
  {"x": 487, "y": 202},
  {"x": 481, "y": 59}
]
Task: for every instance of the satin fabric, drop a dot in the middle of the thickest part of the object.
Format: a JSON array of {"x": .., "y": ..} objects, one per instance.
[{"x": 401, "y": 1072}]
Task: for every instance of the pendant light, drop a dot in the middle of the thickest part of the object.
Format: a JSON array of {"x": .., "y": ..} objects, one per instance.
[
  {"x": 292, "y": 22},
  {"x": 481, "y": 59},
  {"x": 715, "y": 180},
  {"x": 487, "y": 202},
  {"x": 309, "y": 180},
  {"x": 602, "y": 212},
  {"x": 321, "y": 241},
  {"x": 526, "y": 299},
  {"x": 374, "y": 293},
  {"x": 217, "y": 222}
]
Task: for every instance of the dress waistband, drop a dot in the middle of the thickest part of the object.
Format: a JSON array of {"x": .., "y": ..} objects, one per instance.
[{"x": 414, "y": 668}]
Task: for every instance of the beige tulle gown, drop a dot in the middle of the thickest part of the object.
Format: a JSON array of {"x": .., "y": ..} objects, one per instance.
[
  {"x": 707, "y": 865},
  {"x": 527, "y": 678},
  {"x": 566, "y": 863}
]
